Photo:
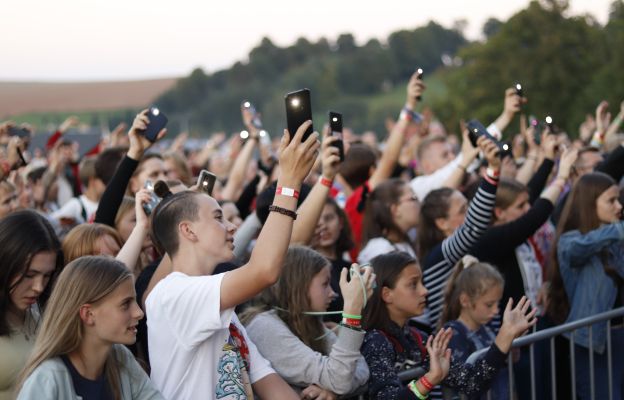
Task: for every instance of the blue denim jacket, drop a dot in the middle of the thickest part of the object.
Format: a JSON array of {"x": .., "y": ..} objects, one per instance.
[{"x": 590, "y": 290}]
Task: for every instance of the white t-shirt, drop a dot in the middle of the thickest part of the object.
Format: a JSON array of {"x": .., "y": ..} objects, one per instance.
[
  {"x": 74, "y": 209},
  {"x": 380, "y": 245},
  {"x": 192, "y": 353}
]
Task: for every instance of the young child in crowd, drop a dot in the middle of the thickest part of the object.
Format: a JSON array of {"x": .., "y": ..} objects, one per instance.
[{"x": 470, "y": 302}]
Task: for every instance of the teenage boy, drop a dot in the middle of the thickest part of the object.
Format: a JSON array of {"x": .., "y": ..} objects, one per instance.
[{"x": 197, "y": 346}]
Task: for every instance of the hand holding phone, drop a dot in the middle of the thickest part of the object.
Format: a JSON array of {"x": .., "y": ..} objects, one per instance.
[
  {"x": 250, "y": 115},
  {"x": 149, "y": 206},
  {"x": 476, "y": 129},
  {"x": 335, "y": 129},
  {"x": 298, "y": 111},
  {"x": 157, "y": 122},
  {"x": 419, "y": 75}
]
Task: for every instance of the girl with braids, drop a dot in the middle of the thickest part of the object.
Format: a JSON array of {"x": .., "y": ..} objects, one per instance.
[
  {"x": 79, "y": 352},
  {"x": 391, "y": 345},
  {"x": 295, "y": 341},
  {"x": 587, "y": 278},
  {"x": 391, "y": 212},
  {"x": 470, "y": 302}
]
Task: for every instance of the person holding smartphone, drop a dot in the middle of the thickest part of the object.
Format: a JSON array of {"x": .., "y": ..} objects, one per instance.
[{"x": 197, "y": 346}]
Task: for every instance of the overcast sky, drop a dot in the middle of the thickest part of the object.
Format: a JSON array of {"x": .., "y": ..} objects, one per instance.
[{"x": 69, "y": 40}]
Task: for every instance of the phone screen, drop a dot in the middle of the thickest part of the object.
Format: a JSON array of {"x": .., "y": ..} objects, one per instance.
[{"x": 298, "y": 111}]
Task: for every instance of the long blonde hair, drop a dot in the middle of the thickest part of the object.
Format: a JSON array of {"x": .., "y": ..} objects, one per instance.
[{"x": 85, "y": 280}]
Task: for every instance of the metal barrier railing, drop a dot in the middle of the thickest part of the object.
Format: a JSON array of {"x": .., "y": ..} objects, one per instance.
[{"x": 551, "y": 334}]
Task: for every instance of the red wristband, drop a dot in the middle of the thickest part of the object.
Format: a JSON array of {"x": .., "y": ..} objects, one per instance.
[
  {"x": 289, "y": 192},
  {"x": 352, "y": 322},
  {"x": 326, "y": 182},
  {"x": 490, "y": 180},
  {"x": 425, "y": 382}
]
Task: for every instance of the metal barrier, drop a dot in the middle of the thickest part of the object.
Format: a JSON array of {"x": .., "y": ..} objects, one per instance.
[{"x": 550, "y": 334}]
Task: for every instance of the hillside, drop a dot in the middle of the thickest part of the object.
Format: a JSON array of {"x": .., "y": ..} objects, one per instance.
[{"x": 17, "y": 98}]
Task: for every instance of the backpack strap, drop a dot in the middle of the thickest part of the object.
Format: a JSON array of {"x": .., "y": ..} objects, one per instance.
[{"x": 419, "y": 341}]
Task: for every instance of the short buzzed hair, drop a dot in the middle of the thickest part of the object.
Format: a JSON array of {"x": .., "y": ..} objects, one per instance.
[
  {"x": 167, "y": 216},
  {"x": 425, "y": 144}
]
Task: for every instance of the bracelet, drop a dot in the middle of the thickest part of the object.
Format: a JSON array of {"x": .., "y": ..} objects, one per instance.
[
  {"x": 352, "y": 322},
  {"x": 490, "y": 180},
  {"x": 353, "y": 328},
  {"x": 492, "y": 173},
  {"x": 283, "y": 211},
  {"x": 414, "y": 389},
  {"x": 426, "y": 383},
  {"x": 410, "y": 115},
  {"x": 326, "y": 182},
  {"x": 288, "y": 192},
  {"x": 351, "y": 316}
]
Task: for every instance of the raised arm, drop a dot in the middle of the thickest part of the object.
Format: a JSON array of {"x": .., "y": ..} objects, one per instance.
[
  {"x": 391, "y": 153},
  {"x": 116, "y": 188},
  {"x": 512, "y": 104},
  {"x": 266, "y": 262},
  {"x": 468, "y": 155},
  {"x": 310, "y": 210},
  {"x": 131, "y": 250}
]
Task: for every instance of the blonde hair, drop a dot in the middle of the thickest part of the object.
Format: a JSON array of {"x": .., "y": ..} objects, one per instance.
[
  {"x": 82, "y": 240},
  {"x": 126, "y": 205},
  {"x": 181, "y": 166},
  {"x": 472, "y": 278},
  {"x": 86, "y": 280}
]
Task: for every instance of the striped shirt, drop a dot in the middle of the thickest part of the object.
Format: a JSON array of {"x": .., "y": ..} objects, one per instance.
[{"x": 438, "y": 264}]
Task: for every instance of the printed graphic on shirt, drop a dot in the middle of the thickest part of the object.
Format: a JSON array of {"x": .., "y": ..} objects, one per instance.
[{"x": 233, "y": 378}]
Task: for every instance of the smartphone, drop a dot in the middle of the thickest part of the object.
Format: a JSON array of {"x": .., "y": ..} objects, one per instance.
[
  {"x": 19, "y": 132},
  {"x": 551, "y": 125},
  {"x": 206, "y": 181},
  {"x": 420, "y": 75},
  {"x": 335, "y": 128},
  {"x": 154, "y": 200},
  {"x": 158, "y": 121},
  {"x": 506, "y": 151},
  {"x": 298, "y": 111},
  {"x": 519, "y": 90},
  {"x": 255, "y": 117},
  {"x": 476, "y": 129}
]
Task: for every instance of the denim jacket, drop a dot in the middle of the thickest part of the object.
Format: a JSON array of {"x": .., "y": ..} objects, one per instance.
[{"x": 590, "y": 290}]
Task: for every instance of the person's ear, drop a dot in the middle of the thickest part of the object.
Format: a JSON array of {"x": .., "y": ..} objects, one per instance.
[
  {"x": 441, "y": 223},
  {"x": 387, "y": 295},
  {"x": 187, "y": 231},
  {"x": 464, "y": 300},
  {"x": 86, "y": 314},
  {"x": 499, "y": 213}
]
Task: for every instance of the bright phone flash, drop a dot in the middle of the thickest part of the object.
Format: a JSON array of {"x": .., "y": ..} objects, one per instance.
[{"x": 295, "y": 102}]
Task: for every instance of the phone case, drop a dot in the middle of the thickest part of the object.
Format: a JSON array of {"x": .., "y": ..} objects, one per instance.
[
  {"x": 298, "y": 111},
  {"x": 335, "y": 127},
  {"x": 158, "y": 121}
]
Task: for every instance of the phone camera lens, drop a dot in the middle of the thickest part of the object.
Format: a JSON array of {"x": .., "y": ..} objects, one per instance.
[
  {"x": 244, "y": 134},
  {"x": 335, "y": 119},
  {"x": 247, "y": 104},
  {"x": 549, "y": 120},
  {"x": 295, "y": 102},
  {"x": 155, "y": 111}
]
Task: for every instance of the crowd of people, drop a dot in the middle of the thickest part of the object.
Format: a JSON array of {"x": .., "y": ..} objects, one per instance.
[{"x": 122, "y": 278}]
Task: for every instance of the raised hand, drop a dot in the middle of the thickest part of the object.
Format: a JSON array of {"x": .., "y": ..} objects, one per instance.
[
  {"x": 296, "y": 158},
  {"x": 568, "y": 158},
  {"x": 603, "y": 117},
  {"x": 138, "y": 142},
  {"x": 69, "y": 122},
  {"x": 352, "y": 290},
  {"x": 141, "y": 197},
  {"x": 330, "y": 155},
  {"x": 439, "y": 356},
  {"x": 491, "y": 152},
  {"x": 415, "y": 89},
  {"x": 516, "y": 321}
]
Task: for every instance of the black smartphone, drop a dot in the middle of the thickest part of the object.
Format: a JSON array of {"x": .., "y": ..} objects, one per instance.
[
  {"x": 255, "y": 117},
  {"x": 335, "y": 128},
  {"x": 420, "y": 75},
  {"x": 298, "y": 111},
  {"x": 519, "y": 90},
  {"x": 206, "y": 181},
  {"x": 158, "y": 121},
  {"x": 476, "y": 129},
  {"x": 19, "y": 132}
]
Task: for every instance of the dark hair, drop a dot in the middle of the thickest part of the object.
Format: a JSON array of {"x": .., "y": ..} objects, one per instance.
[
  {"x": 87, "y": 170},
  {"x": 23, "y": 235},
  {"x": 107, "y": 162},
  {"x": 355, "y": 168},
  {"x": 378, "y": 220},
  {"x": 579, "y": 213},
  {"x": 266, "y": 197},
  {"x": 345, "y": 238},
  {"x": 436, "y": 205},
  {"x": 387, "y": 267},
  {"x": 36, "y": 174},
  {"x": 508, "y": 191},
  {"x": 168, "y": 214}
]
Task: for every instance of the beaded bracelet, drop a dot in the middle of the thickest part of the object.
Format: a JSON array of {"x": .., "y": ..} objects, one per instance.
[{"x": 283, "y": 211}]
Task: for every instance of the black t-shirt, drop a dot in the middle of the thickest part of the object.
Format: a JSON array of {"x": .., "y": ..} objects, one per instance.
[{"x": 98, "y": 389}]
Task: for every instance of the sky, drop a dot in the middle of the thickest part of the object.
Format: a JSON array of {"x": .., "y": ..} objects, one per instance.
[{"x": 83, "y": 40}]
